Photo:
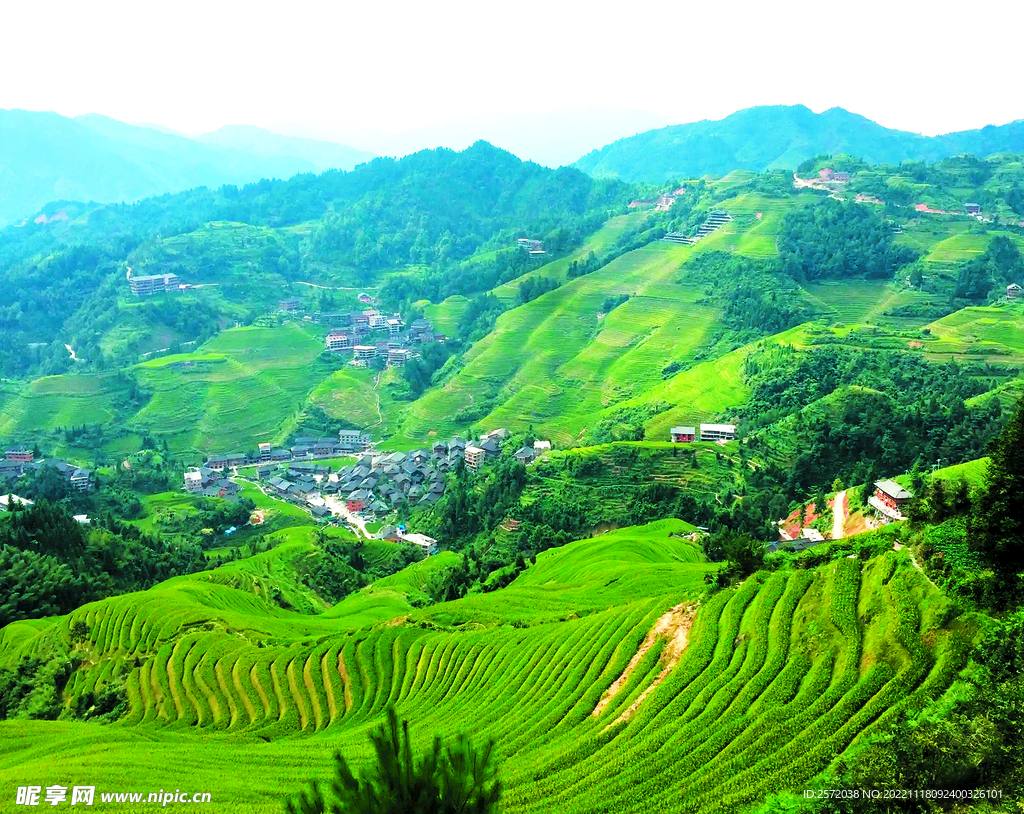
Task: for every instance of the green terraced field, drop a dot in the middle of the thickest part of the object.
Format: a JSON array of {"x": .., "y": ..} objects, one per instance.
[
  {"x": 775, "y": 678},
  {"x": 59, "y": 401},
  {"x": 995, "y": 332},
  {"x": 860, "y": 302},
  {"x": 554, "y": 363},
  {"x": 966, "y": 246},
  {"x": 205, "y": 402}
]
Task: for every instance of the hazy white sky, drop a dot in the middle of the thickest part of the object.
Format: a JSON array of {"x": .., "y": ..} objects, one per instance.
[{"x": 929, "y": 67}]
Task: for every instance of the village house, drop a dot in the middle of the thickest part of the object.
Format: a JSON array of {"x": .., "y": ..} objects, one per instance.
[
  {"x": 532, "y": 246},
  {"x": 265, "y": 451},
  {"x": 19, "y": 455},
  {"x": 889, "y": 500},
  {"x": 398, "y": 357},
  {"x": 683, "y": 435},
  {"x": 352, "y": 439},
  {"x": 475, "y": 457},
  {"x": 827, "y": 174},
  {"x": 717, "y": 432},
  {"x": 147, "y": 284},
  {"x": 290, "y": 304},
  {"x": 337, "y": 341},
  {"x": 1013, "y": 292},
  {"x": 357, "y": 501},
  {"x": 81, "y": 480},
  {"x": 193, "y": 481},
  {"x": 972, "y": 209},
  {"x": 365, "y": 353},
  {"x": 321, "y": 512},
  {"x": 542, "y": 446},
  {"x": 525, "y": 455}
]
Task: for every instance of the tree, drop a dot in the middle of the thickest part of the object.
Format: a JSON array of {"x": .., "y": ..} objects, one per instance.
[
  {"x": 454, "y": 779},
  {"x": 997, "y": 524}
]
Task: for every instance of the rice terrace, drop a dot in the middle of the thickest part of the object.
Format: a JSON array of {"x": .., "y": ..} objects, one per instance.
[{"x": 657, "y": 468}]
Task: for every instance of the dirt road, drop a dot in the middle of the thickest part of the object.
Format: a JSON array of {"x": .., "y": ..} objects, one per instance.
[{"x": 838, "y": 515}]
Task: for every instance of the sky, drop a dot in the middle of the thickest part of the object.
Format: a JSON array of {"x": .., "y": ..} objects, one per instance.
[{"x": 329, "y": 69}]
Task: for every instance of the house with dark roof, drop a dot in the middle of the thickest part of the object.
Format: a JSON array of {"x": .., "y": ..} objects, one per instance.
[
  {"x": 683, "y": 435},
  {"x": 889, "y": 501},
  {"x": 525, "y": 455},
  {"x": 357, "y": 501}
]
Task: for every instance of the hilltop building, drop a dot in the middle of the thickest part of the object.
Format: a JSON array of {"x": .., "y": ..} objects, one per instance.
[
  {"x": 683, "y": 435},
  {"x": 717, "y": 432},
  {"x": 828, "y": 174},
  {"x": 147, "y": 284},
  {"x": 889, "y": 500}
]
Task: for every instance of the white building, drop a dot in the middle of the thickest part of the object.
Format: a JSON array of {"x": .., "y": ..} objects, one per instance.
[
  {"x": 717, "y": 432},
  {"x": 193, "y": 481},
  {"x": 474, "y": 457}
]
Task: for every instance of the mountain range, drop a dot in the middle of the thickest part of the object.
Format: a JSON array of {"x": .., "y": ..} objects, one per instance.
[
  {"x": 780, "y": 136},
  {"x": 47, "y": 157}
]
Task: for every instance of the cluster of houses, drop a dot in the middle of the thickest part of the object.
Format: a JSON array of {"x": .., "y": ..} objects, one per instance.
[
  {"x": 350, "y": 333},
  {"x": 304, "y": 448},
  {"x": 18, "y": 460},
  {"x": 373, "y": 486},
  {"x": 708, "y": 432}
]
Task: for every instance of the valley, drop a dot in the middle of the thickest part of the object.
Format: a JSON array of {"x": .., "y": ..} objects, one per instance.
[{"x": 679, "y": 524}]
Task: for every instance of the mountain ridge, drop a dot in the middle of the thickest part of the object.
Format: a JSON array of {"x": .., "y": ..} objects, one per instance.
[{"x": 782, "y": 136}]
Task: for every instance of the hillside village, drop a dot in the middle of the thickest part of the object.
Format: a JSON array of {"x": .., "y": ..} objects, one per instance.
[{"x": 377, "y": 484}]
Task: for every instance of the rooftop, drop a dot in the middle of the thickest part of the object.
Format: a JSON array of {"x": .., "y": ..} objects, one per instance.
[{"x": 893, "y": 490}]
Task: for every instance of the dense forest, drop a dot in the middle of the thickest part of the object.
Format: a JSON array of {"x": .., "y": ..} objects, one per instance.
[{"x": 837, "y": 239}]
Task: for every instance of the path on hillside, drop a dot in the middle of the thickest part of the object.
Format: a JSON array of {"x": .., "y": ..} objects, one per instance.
[
  {"x": 376, "y": 395},
  {"x": 838, "y": 515},
  {"x": 335, "y": 287},
  {"x": 73, "y": 357}
]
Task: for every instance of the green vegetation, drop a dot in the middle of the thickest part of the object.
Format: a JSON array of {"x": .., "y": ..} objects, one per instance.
[{"x": 200, "y": 657}]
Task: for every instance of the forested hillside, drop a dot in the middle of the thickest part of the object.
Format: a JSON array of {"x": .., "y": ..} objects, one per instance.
[{"x": 66, "y": 279}]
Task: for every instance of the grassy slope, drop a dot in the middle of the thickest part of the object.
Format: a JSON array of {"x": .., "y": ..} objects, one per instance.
[{"x": 224, "y": 678}]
